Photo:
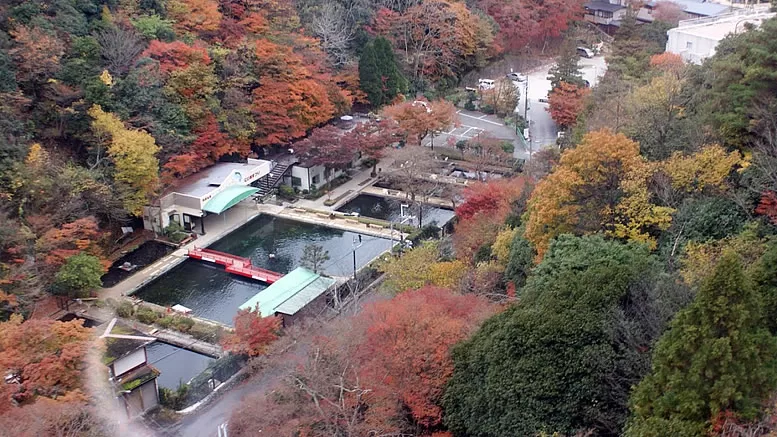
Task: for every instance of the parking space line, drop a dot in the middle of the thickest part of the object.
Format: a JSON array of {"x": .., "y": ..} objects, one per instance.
[{"x": 483, "y": 120}]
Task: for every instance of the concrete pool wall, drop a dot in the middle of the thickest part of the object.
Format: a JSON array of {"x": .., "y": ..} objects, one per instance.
[{"x": 273, "y": 243}]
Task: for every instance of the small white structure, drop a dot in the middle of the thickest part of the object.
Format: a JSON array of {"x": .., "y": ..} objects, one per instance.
[
  {"x": 132, "y": 377},
  {"x": 212, "y": 190},
  {"x": 696, "y": 40}
]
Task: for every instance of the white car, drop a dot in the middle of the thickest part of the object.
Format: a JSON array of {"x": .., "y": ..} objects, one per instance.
[
  {"x": 486, "y": 84},
  {"x": 518, "y": 77}
]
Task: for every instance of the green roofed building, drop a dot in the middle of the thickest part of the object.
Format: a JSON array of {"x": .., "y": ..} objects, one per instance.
[
  {"x": 297, "y": 293},
  {"x": 212, "y": 190}
]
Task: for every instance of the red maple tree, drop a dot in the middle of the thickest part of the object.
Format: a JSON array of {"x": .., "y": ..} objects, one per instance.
[
  {"x": 768, "y": 206},
  {"x": 406, "y": 346},
  {"x": 175, "y": 55},
  {"x": 253, "y": 333},
  {"x": 494, "y": 197},
  {"x": 372, "y": 139},
  {"x": 565, "y": 103}
]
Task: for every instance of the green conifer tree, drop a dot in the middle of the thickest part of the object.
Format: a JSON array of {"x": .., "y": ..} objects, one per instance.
[
  {"x": 717, "y": 357},
  {"x": 567, "y": 68},
  {"x": 369, "y": 75},
  {"x": 379, "y": 74}
]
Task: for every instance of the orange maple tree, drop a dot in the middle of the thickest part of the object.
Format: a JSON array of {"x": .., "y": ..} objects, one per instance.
[
  {"x": 200, "y": 16},
  {"x": 58, "y": 244},
  {"x": 45, "y": 356},
  {"x": 286, "y": 110},
  {"x": 565, "y": 103},
  {"x": 176, "y": 55},
  {"x": 419, "y": 118}
]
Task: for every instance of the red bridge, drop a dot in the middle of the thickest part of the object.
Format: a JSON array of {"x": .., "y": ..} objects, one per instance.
[{"x": 235, "y": 264}]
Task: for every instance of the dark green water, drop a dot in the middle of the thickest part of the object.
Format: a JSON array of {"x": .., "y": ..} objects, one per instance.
[
  {"x": 214, "y": 294},
  {"x": 175, "y": 364},
  {"x": 389, "y": 209}
]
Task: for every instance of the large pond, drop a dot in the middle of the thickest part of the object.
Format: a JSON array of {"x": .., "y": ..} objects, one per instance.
[
  {"x": 175, "y": 365},
  {"x": 214, "y": 294},
  {"x": 389, "y": 209}
]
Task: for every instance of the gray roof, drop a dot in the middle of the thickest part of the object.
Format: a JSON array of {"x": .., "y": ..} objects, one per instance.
[
  {"x": 696, "y": 7},
  {"x": 207, "y": 180},
  {"x": 603, "y": 6}
]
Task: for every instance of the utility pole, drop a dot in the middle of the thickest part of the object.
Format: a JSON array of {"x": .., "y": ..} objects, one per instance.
[
  {"x": 356, "y": 246},
  {"x": 526, "y": 99}
]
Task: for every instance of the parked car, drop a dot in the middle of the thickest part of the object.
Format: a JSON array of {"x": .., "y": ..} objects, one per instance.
[
  {"x": 518, "y": 77},
  {"x": 585, "y": 52},
  {"x": 486, "y": 84}
]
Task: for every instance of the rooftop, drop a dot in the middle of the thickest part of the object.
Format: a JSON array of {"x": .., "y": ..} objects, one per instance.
[
  {"x": 290, "y": 293},
  {"x": 138, "y": 377},
  {"x": 121, "y": 340},
  {"x": 603, "y": 6},
  {"x": 206, "y": 180},
  {"x": 718, "y": 29}
]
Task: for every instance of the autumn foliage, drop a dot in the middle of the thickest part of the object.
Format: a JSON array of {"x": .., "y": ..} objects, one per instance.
[
  {"x": 46, "y": 356},
  {"x": 392, "y": 360},
  {"x": 484, "y": 210},
  {"x": 253, "y": 333},
  {"x": 565, "y": 103},
  {"x": 417, "y": 119}
]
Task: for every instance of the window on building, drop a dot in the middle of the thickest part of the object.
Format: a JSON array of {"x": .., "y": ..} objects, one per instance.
[
  {"x": 296, "y": 182},
  {"x": 316, "y": 179},
  {"x": 688, "y": 45}
]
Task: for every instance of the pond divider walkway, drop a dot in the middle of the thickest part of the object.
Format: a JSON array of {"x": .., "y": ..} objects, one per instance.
[
  {"x": 234, "y": 264},
  {"x": 401, "y": 195}
]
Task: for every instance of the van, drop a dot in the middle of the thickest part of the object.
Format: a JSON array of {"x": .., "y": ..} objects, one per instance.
[
  {"x": 585, "y": 53},
  {"x": 486, "y": 84}
]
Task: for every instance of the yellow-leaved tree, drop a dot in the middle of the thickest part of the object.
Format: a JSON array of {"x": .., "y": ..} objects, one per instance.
[
  {"x": 419, "y": 267},
  {"x": 708, "y": 168},
  {"x": 636, "y": 215},
  {"x": 582, "y": 194},
  {"x": 134, "y": 156}
]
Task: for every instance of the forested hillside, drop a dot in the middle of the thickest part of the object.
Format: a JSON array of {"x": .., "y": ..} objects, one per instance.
[{"x": 105, "y": 103}]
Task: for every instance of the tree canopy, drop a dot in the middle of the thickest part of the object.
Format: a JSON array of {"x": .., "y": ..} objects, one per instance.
[{"x": 558, "y": 360}]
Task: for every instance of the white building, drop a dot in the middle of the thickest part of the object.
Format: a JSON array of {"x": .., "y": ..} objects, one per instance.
[
  {"x": 696, "y": 40},
  {"x": 212, "y": 190},
  {"x": 133, "y": 378}
]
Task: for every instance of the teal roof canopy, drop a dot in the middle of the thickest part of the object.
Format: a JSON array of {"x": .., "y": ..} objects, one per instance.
[
  {"x": 228, "y": 198},
  {"x": 290, "y": 293}
]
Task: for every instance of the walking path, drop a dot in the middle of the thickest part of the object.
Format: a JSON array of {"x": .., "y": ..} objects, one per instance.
[{"x": 218, "y": 226}]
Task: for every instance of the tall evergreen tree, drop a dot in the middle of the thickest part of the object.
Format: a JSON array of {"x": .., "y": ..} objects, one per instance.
[
  {"x": 564, "y": 358},
  {"x": 369, "y": 75},
  {"x": 379, "y": 74},
  {"x": 717, "y": 357},
  {"x": 567, "y": 68}
]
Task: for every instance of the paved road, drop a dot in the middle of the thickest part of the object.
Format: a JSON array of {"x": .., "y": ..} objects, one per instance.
[{"x": 543, "y": 130}]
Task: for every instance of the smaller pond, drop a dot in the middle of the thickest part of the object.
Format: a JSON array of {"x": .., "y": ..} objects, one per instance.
[
  {"x": 389, "y": 210},
  {"x": 175, "y": 364},
  {"x": 145, "y": 254}
]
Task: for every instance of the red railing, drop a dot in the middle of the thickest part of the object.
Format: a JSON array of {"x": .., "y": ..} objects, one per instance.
[{"x": 235, "y": 264}]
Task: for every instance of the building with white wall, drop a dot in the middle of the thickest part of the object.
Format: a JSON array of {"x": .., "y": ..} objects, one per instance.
[
  {"x": 212, "y": 190},
  {"x": 132, "y": 377},
  {"x": 697, "y": 39}
]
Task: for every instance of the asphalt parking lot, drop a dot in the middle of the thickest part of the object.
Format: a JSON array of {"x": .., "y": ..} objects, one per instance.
[{"x": 471, "y": 124}]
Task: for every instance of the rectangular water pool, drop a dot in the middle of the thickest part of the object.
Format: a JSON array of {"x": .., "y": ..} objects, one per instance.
[{"x": 214, "y": 294}]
